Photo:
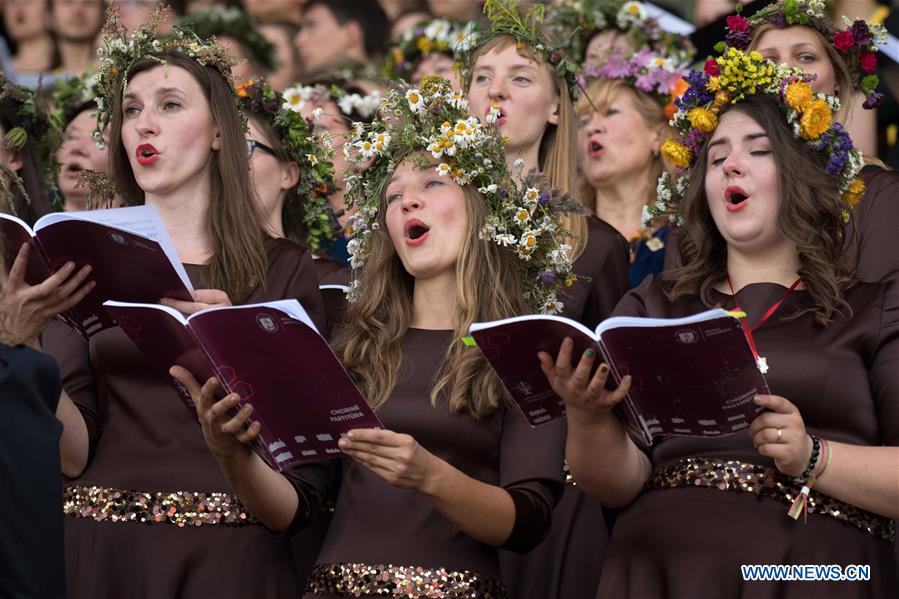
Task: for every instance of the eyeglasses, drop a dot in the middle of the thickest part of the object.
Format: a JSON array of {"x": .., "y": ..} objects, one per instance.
[{"x": 252, "y": 144}]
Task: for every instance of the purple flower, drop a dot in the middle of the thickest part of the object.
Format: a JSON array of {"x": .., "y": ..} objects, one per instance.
[
  {"x": 271, "y": 105},
  {"x": 738, "y": 39},
  {"x": 873, "y": 101},
  {"x": 644, "y": 83},
  {"x": 547, "y": 277},
  {"x": 694, "y": 140},
  {"x": 861, "y": 33},
  {"x": 617, "y": 67},
  {"x": 543, "y": 198},
  {"x": 779, "y": 20}
]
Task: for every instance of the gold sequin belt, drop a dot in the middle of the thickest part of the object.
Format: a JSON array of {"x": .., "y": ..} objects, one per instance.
[
  {"x": 731, "y": 475},
  {"x": 357, "y": 580},
  {"x": 181, "y": 508}
]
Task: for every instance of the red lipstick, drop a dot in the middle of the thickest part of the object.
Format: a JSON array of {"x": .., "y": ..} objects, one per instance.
[{"x": 146, "y": 154}]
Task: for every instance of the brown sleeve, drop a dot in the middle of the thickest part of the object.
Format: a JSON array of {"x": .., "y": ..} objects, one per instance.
[
  {"x": 316, "y": 484},
  {"x": 292, "y": 275},
  {"x": 873, "y": 226},
  {"x": 72, "y": 354},
  {"x": 531, "y": 472},
  {"x": 610, "y": 281},
  {"x": 883, "y": 375}
]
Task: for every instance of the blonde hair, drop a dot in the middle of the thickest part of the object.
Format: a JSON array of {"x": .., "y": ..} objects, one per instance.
[
  {"x": 488, "y": 287},
  {"x": 840, "y": 68},
  {"x": 558, "y": 153},
  {"x": 598, "y": 96}
]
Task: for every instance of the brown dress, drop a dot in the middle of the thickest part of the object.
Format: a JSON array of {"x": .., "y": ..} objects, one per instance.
[
  {"x": 143, "y": 439},
  {"x": 690, "y": 542},
  {"x": 377, "y": 524},
  {"x": 332, "y": 272},
  {"x": 874, "y": 225},
  {"x": 567, "y": 564}
]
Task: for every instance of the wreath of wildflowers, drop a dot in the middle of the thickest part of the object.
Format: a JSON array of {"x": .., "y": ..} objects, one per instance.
[
  {"x": 660, "y": 77},
  {"x": 316, "y": 180},
  {"x": 38, "y": 123},
  {"x": 232, "y": 22},
  {"x": 856, "y": 44},
  {"x": 728, "y": 80},
  {"x": 351, "y": 104},
  {"x": 435, "y": 36},
  {"x": 433, "y": 123},
  {"x": 69, "y": 94},
  {"x": 120, "y": 51},
  {"x": 575, "y": 22},
  {"x": 505, "y": 19}
]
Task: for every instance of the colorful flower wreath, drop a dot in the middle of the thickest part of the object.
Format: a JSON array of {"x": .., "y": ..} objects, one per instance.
[
  {"x": 505, "y": 19},
  {"x": 730, "y": 79},
  {"x": 856, "y": 44},
  {"x": 575, "y": 22},
  {"x": 38, "y": 123},
  {"x": 121, "y": 50},
  {"x": 316, "y": 180},
  {"x": 351, "y": 104},
  {"x": 660, "y": 77},
  {"x": 212, "y": 21},
  {"x": 435, "y": 36},
  {"x": 432, "y": 123}
]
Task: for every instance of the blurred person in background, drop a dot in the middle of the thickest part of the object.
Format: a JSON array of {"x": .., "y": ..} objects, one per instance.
[
  {"x": 336, "y": 33},
  {"x": 33, "y": 51},
  {"x": 280, "y": 35},
  {"x": 76, "y": 26}
]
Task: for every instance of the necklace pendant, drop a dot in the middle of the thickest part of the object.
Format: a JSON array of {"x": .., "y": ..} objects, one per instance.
[{"x": 763, "y": 365}]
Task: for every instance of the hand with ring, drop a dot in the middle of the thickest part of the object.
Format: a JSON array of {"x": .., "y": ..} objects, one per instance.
[{"x": 779, "y": 433}]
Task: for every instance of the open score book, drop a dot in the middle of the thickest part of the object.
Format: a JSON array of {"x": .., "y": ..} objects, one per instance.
[
  {"x": 691, "y": 376},
  {"x": 132, "y": 257},
  {"x": 272, "y": 355}
]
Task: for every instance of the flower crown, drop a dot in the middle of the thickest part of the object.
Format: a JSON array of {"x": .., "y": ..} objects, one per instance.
[
  {"x": 505, "y": 19},
  {"x": 662, "y": 78},
  {"x": 433, "y": 122},
  {"x": 574, "y": 22},
  {"x": 69, "y": 94},
  {"x": 235, "y": 23},
  {"x": 38, "y": 124},
  {"x": 316, "y": 180},
  {"x": 856, "y": 44},
  {"x": 427, "y": 37},
  {"x": 730, "y": 79},
  {"x": 120, "y": 51},
  {"x": 351, "y": 104}
]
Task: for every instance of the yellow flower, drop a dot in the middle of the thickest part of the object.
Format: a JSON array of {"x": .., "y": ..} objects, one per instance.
[
  {"x": 398, "y": 55},
  {"x": 815, "y": 119},
  {"x": 703, "y": 119},
  {"x": 714, "y": 84},
  {"x": 424, "y": 45},
  {"x": 722, "y": 98},
  {"x": 854, "y": 193},
  {"x": 676, "y": 153},
  {"x": 798, "y": 95}
]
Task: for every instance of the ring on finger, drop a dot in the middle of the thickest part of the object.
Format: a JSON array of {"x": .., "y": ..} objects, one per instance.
[{"x": 779, "y": 434}]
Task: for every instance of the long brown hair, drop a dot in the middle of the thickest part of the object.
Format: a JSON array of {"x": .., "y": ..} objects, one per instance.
[
  {"x": 598, "y": 96},
  {"x": 809, "y": 215},
  {"x": 488, "y": 287},
  {"x": 558, "y": 154},
  {"x": 234, "y": 220}
]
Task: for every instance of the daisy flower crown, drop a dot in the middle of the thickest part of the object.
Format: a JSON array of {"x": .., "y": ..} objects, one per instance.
[
  {"x": 660, "y": 77},
  {"x": 435, "y": 36},
  {"x": 574, "y": 22},
  {"x": 728, "y": 80},
  {"x": 432, "y": 124},
  {"x": 856, "y": 44},
  {"x": 316, "y": 181},
  {"x": 232, "y": 22},
  {"x": 120, "y": 51},
  {"x": 351, "y": 104},
  {"x": 505, "y": 19}
]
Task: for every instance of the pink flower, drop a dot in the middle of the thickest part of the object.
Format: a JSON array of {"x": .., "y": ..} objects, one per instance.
[
  {"x": 737, "y": 23},
  {"x": 843, "y": 40},
  {"x": 867, "y": 62},
  {"x": 711, "y": 68}
]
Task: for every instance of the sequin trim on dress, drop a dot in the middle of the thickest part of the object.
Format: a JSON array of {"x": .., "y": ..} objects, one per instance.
[
  {"x": 732, "y": 475},
  {"x": 181, "y": 508},
  {"x": 355, "y": 580}
]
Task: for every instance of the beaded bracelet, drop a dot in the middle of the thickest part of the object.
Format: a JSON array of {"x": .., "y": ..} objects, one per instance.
[{"x": 812, "y": 462}]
